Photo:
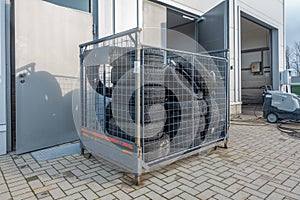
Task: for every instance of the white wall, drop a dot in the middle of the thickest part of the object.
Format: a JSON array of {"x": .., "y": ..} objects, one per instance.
[
  {"x": 154, "y": 24},
  {"x": 197, "y": 7},
  {"x": 2, "y": 80},
  {"x": 105, "y": 18},
  {"x": 55, "y": 46},
  {"x": 111, "y": 21}
]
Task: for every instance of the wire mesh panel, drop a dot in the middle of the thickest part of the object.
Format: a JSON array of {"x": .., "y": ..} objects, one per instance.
[
  {"x": 193, "y": 102},
  {"x": 108, "y": 85},
  {"x": 143, "y": 106}
]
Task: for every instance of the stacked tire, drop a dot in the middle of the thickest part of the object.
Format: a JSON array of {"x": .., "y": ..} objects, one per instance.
[{"x": 180, "y": 103}]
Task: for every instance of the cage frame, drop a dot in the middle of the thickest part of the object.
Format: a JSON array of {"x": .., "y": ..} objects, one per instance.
[{"x": 138, "y": 166}]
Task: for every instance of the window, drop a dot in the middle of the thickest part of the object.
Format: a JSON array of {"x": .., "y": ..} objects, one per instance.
[{"x": 83, "y": 5}]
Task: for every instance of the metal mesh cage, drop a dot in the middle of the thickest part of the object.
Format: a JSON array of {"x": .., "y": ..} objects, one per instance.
[{"x": 143, "y": 107}]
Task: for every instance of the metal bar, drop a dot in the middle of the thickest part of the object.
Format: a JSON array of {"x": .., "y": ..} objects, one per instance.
[
  {"x": 194, "y": 149},
  {"x": 261, "y": 66},
  {"x": 8, "y": 47},
  {"x": 186, "y": 52},
  {"x": 61, "y": 76},
  {"x": 104, "y": 96},
  {"x": 143, "y": 103},
  {"x": 132, "y": 39},
  {"x": 3, "y": 113},
  {"x": 138, "y": 99},
  {"x": 227, "y": 94},
  {"x": 193, "y": 110},
  {"x": 114, "y": 16},
  {"x": 215, "y": 51},
  {"x": 252, "y": 88},
  {"x": 110, "y": 37},
  {"x": 12, "y": 83},
  {"x": 255, "y": 50},
  {"x": 95, "y": 12},
  {"x": 178, "y": 157},
  {"x": 81, "y": 86}
]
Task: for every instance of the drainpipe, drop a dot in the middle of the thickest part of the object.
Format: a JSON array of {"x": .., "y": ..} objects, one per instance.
[{"x": 3, "y": 140}]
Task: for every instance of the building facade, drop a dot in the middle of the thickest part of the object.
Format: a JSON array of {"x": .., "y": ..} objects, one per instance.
[{"x": 40, "y": 63}]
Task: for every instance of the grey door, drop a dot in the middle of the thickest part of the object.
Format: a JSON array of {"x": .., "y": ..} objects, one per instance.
[
  {"x": 211, "y": 31},
  {"x": 47, "y": 66}
]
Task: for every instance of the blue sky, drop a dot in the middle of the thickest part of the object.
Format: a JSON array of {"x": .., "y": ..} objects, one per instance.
[{"x": 292, "y": 21}]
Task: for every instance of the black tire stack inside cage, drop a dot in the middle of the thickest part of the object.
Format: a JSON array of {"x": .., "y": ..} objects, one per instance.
[{"x": 180, "y": 103}]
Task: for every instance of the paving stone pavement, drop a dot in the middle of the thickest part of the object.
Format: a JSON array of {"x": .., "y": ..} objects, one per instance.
[{"x": 261, "y": 163}]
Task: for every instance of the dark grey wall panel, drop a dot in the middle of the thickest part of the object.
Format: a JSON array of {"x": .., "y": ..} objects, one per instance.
[{"x": 212, "y": 28}]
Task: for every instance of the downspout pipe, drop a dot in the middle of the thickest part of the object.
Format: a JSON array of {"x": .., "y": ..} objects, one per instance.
[{"x": 3, "y": 132}]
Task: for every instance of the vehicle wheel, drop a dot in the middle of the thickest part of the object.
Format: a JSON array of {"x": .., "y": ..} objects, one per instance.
[{"x": 272, "y": 118}]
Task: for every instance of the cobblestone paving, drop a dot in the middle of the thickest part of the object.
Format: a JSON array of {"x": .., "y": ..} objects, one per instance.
[{"x": 261, "y": 163}]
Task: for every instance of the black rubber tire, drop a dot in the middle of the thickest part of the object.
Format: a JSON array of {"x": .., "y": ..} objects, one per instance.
[
  {"x": 212, "y": 129},
  {"x": 181, "y": 125},
  {"x": 153, "y": 66},
  {"x": 272, "y": 118},
  {"x": 118, "y": 71},
  {"x": 200, "y": 136},
  {"x": 92, "y": 75},
  {"x": 178, "y": 85},
  {"x": 202, "y": 107},
  {"x": 154, "y": 94},
  {"x": 154, "y": 114},
  {"x": 114, "y": 130},
  {"x": 173, "y": 118},
  {"x": 156, "y": 148},
  {"x": 153, "y": 58}
]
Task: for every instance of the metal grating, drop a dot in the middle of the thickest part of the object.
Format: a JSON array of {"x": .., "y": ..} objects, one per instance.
[{"x": 56, "y": 152}]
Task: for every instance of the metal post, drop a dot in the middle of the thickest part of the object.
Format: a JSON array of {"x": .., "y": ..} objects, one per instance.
[
  {"x": 193, "y": 102},
  {"x": 227, "y": 98},
  {"x": 81, "y": 87},
  {"x": 95, "y": 12},
  {"x": 104, "y": 96},
  {"x": 137, "y": 71},
  {"x": 3, "y": 139}
]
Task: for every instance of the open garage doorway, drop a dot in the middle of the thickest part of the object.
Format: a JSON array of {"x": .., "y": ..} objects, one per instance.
[{"x": 256, "y": 61}]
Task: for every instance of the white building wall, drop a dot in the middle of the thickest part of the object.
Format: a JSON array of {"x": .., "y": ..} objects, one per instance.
[
  {"x": 197, "y": 7},
  {"x": 116, "y": 16},
  {"x": 52, "y": 56},
  {"x": 234, "y": 57},
  {"x": 2, "y": 80},
  {"x": 154, "y": 24}
]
